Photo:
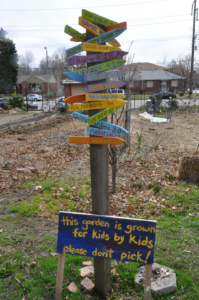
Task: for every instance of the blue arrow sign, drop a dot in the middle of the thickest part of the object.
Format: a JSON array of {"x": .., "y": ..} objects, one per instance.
[
  {"x": 74, "y": 76},
  {"x": 96, "y": 40},
  {"x": 100, "y": 124},
  {"x": 105, "y": 133}
]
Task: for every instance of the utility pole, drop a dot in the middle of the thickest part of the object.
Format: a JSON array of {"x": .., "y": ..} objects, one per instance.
[
  {"x": 47, "y": 69},
  {"x": 194, "y": 11}
]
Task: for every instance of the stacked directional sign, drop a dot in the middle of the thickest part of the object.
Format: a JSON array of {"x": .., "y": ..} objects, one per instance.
[{"x": 108, "y": 60}]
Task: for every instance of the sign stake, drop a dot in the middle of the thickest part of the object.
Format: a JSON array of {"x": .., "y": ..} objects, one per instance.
[
  {"x": 60, "y": 275},
  {"x": 147, "y": 285}
]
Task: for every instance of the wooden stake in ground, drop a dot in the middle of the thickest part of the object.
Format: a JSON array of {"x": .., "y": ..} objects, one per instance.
[
  {"x": 147, "y": 285},
  {"x": 100, "y": 197},
  {"x": 60, "y": 275}
]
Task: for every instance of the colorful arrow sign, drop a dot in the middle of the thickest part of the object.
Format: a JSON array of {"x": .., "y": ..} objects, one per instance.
[
  {"x": 74, "y": 33},
  {"x": 97, "y": 48},
  {"x": 100, "y": 124},
  {"x": 96, "y": 40},
  {"x": 116, "y": 63},
  {"x": 94, "y": 97},
  {"x": 74, "y": 76},
  {"x": 104, "y": 86},
  {"x": 79, "y": 60},
  {"x": 96, "y": 30},
  {"x": 104, "y": 133},
  {"x": 102, "y": 114},
  {"x": 75, "y": 40},
  {"x": 96, "y": 105},
  {"x": 95, "y": 140},
  {"x": 96, "y": 18},
  {"x": 118, "y": 25},
  {"x": 75, "y": 99},
  {"x": 102, "y": 75}
]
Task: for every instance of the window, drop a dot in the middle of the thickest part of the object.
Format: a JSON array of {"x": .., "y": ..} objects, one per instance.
[
  {"x": 37, "y": 88},
  {"x": 174, "y": 82},
  {"x": 149, "y": 84}
]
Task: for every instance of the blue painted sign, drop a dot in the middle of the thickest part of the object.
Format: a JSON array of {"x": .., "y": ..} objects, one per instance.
[
  {"x": 96, "y": 40},
  {"x": 104, "y": 86},
  {"x": 105, "y": 133},
  {"x": 108, "y": 237},
  {"x": 103, "y": 75},
  {"x": 74, "y": 76},
  {"x": 100, "y": 124}
]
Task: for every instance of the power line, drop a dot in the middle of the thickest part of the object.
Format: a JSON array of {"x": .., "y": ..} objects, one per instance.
[{"x": 37, "y": 9}]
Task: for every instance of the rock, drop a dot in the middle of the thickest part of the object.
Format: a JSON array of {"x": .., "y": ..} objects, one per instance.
[
  {"x": 86, "y": 263},
  {"x": 85, "y": 271},
  {"x": 36, "y": 188},
  {"x": 72, "y": 287},
  {"x": 87, "y": 283},
  {"x": 25, "y": 170}
]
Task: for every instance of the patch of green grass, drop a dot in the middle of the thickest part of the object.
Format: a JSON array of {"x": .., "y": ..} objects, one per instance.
[
  {"x": 133, "y": 200},
  {"x": 157, "y": 188},
  {"x": 150, "y": 186},
  {"x": 138, "y": 185},
  {"x": 170, "y": 177}
]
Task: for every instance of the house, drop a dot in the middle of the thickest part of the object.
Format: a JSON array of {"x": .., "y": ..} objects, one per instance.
[
  {"x": 144, "y": 66},
  {"x": 36, "y": 84},
  {"x": 73, "y": 88}
]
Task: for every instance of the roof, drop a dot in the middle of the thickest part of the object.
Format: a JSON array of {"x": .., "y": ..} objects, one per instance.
[
  {"x": 68, "y": 81},
  {"x": 143, "y": 66},
  {"x": 40, "y": 77},
  {"x": 156, "y": 75}
]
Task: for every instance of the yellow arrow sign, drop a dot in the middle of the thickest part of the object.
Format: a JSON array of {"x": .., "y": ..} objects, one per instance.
[
  {"x": 97, "y": 105},
  {"x": 98, "y": 48},
  {"x": 97, "y": 97}
]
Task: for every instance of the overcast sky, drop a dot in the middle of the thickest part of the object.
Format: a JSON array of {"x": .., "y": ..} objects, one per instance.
[{"x": 160, "y": 30}]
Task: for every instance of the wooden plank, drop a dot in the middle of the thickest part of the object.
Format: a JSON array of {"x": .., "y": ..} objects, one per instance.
[
  {"x": 147, "y": 285},
  {"x": 74, "y": 33},
  {"x": 102, "y": 114},
  {"x": 100, "y": 124},
  {"x": 96, "y": 105},
  {"x": 75, "y": 40},
  {"x": 96, "y": 40},
  {"x": 95, "y": 140},
  {"x": 97, "y": 48},
  {"x": 102, "y": 75},
  {"x": 96, "y": 30},
  {"x": 97, "y": 97},
  {"x": 95, "y": 235},
  {"x": 118, "y": 25},
  {"x": 79, "y": 60},
  {"x": 96, "y": 18},
  {"x": 75, "y": 99},
  {"x": 60, "y": 275},
  {"x": 74, "y": 76},
  {"x": 112, "y": 64},
  {"x": 104, "y": 133},
  {"x": 104, "y": 86}
]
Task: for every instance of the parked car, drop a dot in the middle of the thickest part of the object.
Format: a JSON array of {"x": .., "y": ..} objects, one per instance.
[
  {"x": 61, "y": 101},
  {"x": 117, "y": 91},
  {"x": 34, "y": 97},
  {"x": 31, "y": 104},
  {"x": 4, "y": 103},
  {"x": 163, "y": 95}
]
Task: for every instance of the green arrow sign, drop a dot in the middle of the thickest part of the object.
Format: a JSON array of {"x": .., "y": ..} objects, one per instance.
[
  {"x": 74, "y": 33},
  {"x": 103, "y": 114},
  {"x": 96, "y": 18}
]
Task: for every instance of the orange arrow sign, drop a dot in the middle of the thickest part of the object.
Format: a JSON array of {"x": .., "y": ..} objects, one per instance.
[
  {"x": 75, "y": 99},
  {"x": 95, "y": 140},
  {"x": 115, "y": 26}
]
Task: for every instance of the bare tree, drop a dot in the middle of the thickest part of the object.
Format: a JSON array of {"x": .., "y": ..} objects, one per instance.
[{"x": 26, "y": 63}]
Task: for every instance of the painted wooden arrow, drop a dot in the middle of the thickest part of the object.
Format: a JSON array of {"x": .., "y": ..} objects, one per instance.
[
  {"x": 79, "y": 60},
  {"x": 75, "y": 99},
  {"x": 96, "y": 40},
  {"x": 102, "y": 114},
  {"x": 102, "y": 75},
  {"x": 96, "y": 105},
  {"x": 96, "y": 18},
  {"x": 112, "y": 64},
  {"x": 118, "y": 25},
  {"x": 75, "y": 40},
  {"x": 74, "y": 33},
  {"x": 95, "y": 140},
  {"x": 104, "y": 133},
  {"x": 100, "y": 124},
  {"x": 96, "y": 30},
  {"x": 97, "y": 48},
  {"x": 74, "y": 76},
  {"x": 104, "y": 86},
  {"x": 97, "y": 97}
]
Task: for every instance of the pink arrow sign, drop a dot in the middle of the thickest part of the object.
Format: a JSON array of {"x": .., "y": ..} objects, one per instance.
[{"x": 104, "y": 86}]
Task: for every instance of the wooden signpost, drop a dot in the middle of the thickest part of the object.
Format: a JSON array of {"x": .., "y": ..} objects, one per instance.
[
  {"x": 74, "y": 33},
  {"x": 78, "y": 60},
  {"x": 102, "y": 114},
  {"x": 96, "y": 30},
  {"x": 97, "y": 48},
  {"x": 118, "y": 25},
  {"x": 100, "y": 124},
  {"x": 104, "y": 133},
  {"x": 104, "y": 86},
  {"x": 107, "y": 237},
  {"x": 96, "y": 18},
  {"x": 96, "y": 40},
  {"x": 112, "y": 64},
  {"x": 97, "y": 97},
  {"x": 97, "y": 105},
  {"x": 95, "y": 140},
  {"x": 102, "y": 75}
]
